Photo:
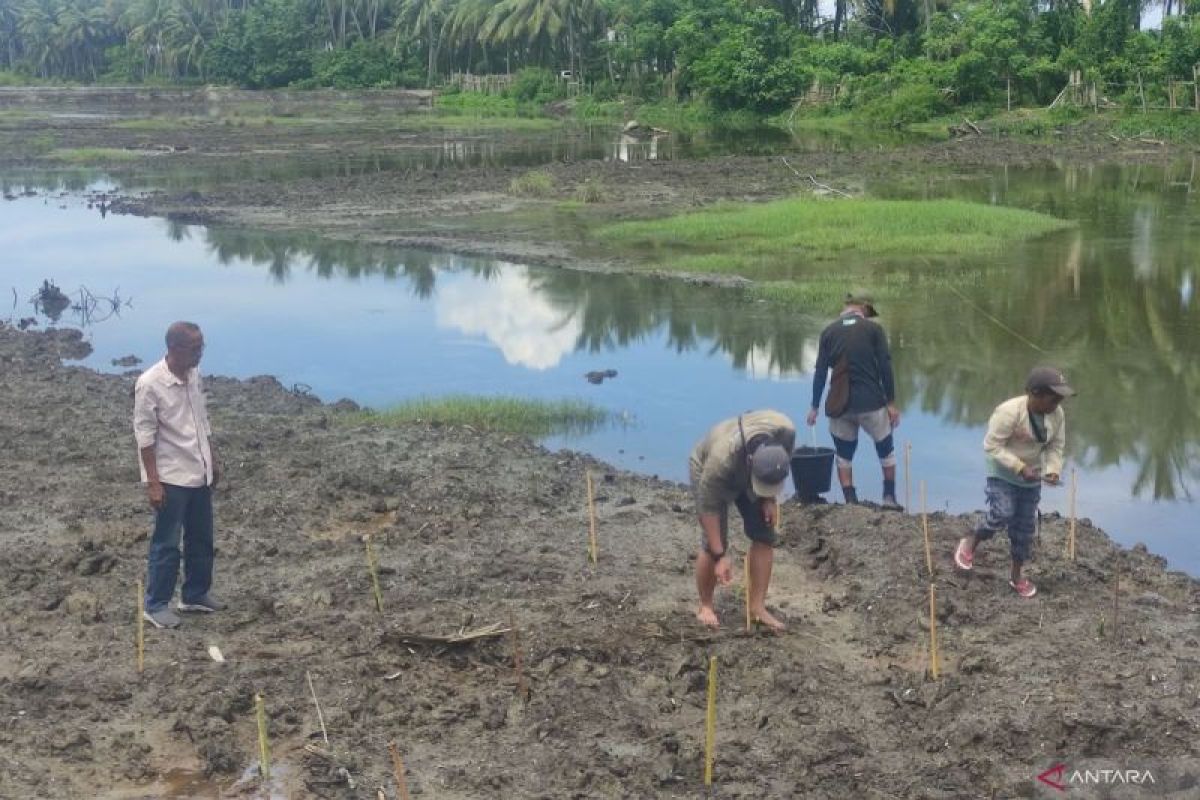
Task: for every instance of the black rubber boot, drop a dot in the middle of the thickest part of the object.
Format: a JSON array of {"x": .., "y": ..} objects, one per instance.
[{"x": 851, "y": 495}]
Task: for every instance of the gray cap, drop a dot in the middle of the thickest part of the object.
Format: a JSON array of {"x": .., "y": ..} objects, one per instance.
[
  {"x": 769, "y": 468},
  {"x": 1048, "y": 379}
]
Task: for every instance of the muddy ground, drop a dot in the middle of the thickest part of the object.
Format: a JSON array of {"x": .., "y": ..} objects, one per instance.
[
  {"x": 473, "y": 210},
  {"x": 475, "y": 529}
]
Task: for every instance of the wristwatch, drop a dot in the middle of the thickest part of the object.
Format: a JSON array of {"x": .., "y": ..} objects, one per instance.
[{"x": 718, "y": 556}]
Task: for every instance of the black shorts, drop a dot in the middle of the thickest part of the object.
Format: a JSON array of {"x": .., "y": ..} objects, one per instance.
[{"x": 753, "y": 523}]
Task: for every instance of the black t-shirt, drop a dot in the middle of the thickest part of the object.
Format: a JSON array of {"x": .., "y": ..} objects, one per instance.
[{"x": 863, "y": 342}]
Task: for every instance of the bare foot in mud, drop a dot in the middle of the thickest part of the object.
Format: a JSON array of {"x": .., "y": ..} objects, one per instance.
[
  {"x": 765, "y": 617},
  {"x": 708, "y": 616}
]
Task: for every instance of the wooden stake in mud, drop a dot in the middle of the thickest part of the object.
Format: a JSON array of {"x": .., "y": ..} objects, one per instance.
[
  {"x": 925, "y": 531},
  {"x": 1117, "y": 600},
  {"x": 398, "y": 771},
  {"x": 1071, "y": 528},
  {"x": 317, "y": 703},
  {"x": 518, "y": 663},
  {"x": 141, "y": 628},
  {"x": 710, "y": 722},
  {"x": 934, "y": 666},
  {"x": 746, "y": 577},
  {"x": 592, "y": 548},
  {"x": 907, "y": 479},
  {"x": 264, "y": 751},
  {"x": 373, "y": 567}
]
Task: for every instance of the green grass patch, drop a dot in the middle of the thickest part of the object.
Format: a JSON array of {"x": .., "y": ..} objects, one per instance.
[
  {"x": 477, "y": 104},
  {"x": 156, "y": 123},
  {"x": 532, "y": 184},
  {"x": 281, "y": 120},
  {"x": 591, "y": 190},
  {"x": 38, "y": 145},
  {"x": 90, "y": 155},
  {"x": 828, "y": 290},
  {"x": 501, "y": 414},
  {"x": 473, "y": 110},
  {"x": 1171, "y": 126},
  {"x": 19, "y": 114},
  {"x": 754, "y": 240}
]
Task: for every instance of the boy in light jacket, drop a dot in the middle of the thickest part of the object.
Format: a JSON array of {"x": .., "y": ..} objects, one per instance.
[{"x": 1024, "y": 445}]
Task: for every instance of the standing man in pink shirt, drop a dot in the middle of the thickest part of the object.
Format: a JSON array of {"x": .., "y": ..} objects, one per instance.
[{"x": 179, "y": 469}]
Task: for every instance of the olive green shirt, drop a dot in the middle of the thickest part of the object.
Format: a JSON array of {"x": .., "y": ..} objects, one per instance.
[{"x": 719, "y": 465}]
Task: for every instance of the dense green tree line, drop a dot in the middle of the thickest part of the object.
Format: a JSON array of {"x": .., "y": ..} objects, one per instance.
[{"x": 898, "y": 59}]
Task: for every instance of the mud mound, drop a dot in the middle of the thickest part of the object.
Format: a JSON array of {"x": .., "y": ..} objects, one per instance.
[{"x": 473, "y": 531}]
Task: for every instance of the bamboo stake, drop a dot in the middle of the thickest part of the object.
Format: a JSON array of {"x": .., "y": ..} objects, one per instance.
[
  {"x": 1117, "y": 600},
  {"x": 925, "y": 529},
  {"x": 592, "y": 547},
  {"x": 518, "y": 664},
  {"x": 710, "y": 722},
  {"x": 374, "y": 570},
  {"x": 1071, "y": 528},
  {"x": 746, "y": 576},
  {"x": 934, "y": 666},
  {"x": 317, "y": 703},
  {"x": 141, "y": 629},
  {"x": 264, "y": 751},
  {"x": 907, "y": 479},
  {"x": 398, "y": 771}
]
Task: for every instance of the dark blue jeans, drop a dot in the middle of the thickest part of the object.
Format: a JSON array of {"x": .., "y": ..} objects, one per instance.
[
  {"x": 187, "y": 511},
  {"x": 1015, "y": 508}
]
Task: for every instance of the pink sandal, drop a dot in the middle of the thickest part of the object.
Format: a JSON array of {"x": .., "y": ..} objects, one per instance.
[
  {"x": 1024, "y": 587},
  {"x": 963, "y": 558}
]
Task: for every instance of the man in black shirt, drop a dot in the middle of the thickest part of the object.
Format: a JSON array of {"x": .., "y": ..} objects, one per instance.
[{"x": 862, "y": 393}]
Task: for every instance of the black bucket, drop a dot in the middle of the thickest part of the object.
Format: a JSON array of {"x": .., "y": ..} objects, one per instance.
[{"x": 812, "y": 471}]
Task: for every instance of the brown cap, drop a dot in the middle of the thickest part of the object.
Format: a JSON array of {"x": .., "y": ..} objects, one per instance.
[
  {"x": 861, "y": 297},
  {"x": 1048, "y": 379}
]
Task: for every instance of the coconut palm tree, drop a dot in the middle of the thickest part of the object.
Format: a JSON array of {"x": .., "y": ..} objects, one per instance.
[
  {"x": 423, "y": 18},
  {"x": 463, "y": 28},
  {"x": 545, "y": 27},
  {"x": 10, "y": 40},
  {"x": 36, "y": 28}
]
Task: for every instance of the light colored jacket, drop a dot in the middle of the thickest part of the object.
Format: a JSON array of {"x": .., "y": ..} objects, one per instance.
[
  {"x": 171, "y": 415},
  {"x": 719, "y": 467},
  {"x": 1011, "y": 444}
]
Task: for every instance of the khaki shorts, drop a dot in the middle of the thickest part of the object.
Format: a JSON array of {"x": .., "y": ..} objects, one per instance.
[{"x": 876, "y": 423}]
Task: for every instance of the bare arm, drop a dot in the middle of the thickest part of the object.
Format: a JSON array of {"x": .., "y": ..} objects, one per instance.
[
  {"x": 216, "y": 462},
  {"x": 154, "y": 487}
]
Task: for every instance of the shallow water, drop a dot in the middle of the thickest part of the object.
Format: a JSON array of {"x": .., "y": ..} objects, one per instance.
[{"x": 1112, "y": 302}]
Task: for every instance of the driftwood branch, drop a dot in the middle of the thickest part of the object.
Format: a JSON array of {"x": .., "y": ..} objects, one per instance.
[
  {"x": 461, "y": 637},
  {"x": 814, "y": 181}
]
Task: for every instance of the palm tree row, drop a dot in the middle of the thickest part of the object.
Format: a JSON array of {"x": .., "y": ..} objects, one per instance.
[{"x": 75, "y": 39}]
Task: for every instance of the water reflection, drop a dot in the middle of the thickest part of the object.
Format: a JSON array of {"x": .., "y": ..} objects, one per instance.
[
  {"x": 512, "y": 314},
  {"x": 452, "y": 150},
  {"x": 1111, "y": 301}
]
